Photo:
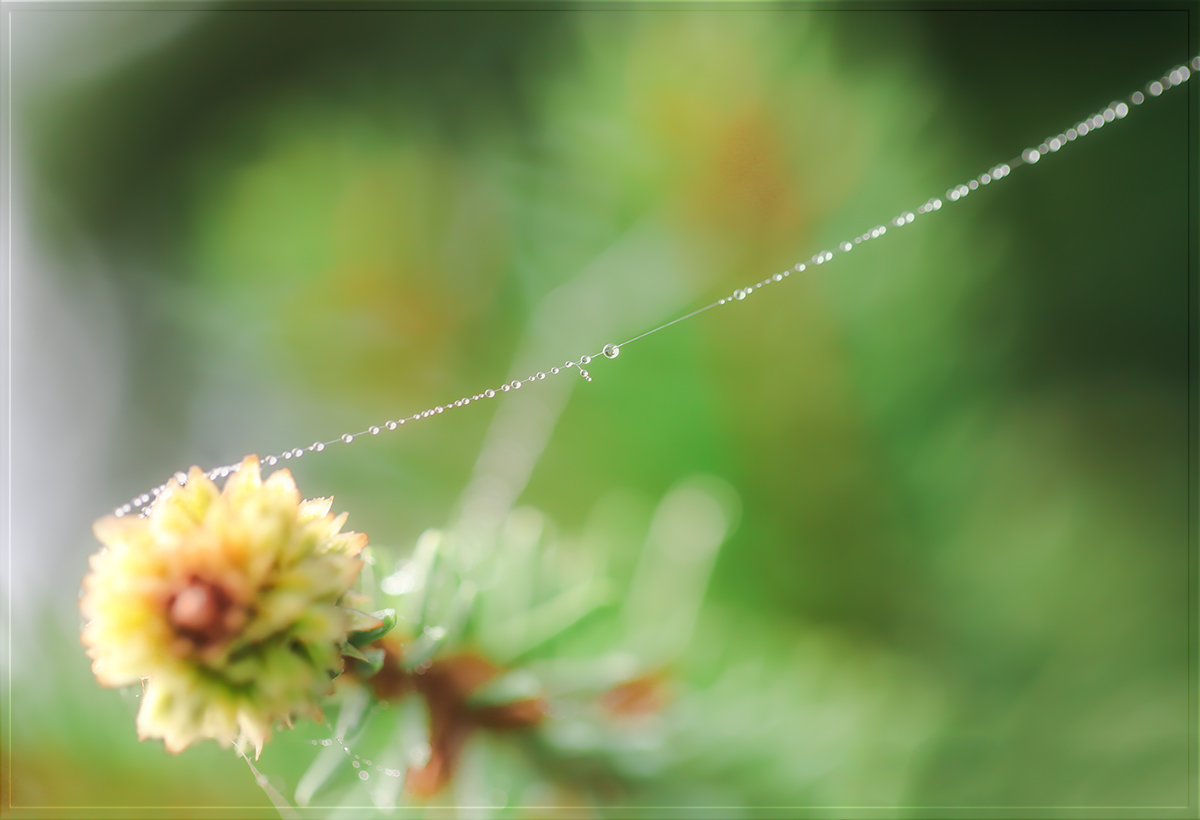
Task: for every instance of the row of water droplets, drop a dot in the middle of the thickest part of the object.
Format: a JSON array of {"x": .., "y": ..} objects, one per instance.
[
  {"x": 1117, "y": 110},
  {"x": 340, "y": 737},
  {"x": 357, "y": 761}
]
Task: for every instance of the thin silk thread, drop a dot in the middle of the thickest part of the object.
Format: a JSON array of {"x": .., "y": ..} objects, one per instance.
[{"x": 1116, "y": 110}]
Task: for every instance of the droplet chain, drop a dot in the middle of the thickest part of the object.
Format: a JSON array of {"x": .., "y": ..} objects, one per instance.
[{"x": 1117, "y": 110}]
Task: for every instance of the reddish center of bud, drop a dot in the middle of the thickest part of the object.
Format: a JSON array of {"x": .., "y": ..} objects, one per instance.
[{"x": 200, "y": 611}]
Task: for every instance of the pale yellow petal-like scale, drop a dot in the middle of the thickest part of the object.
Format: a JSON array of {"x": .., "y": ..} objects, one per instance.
[
  {"x": 113, "y": 532},
  {"x": 245, "y": 481},
  {"x": 351, "y": 543},
  {"x": 182, "y": 510},
  {"x": 282, "y": 481},
  {"x": 314, "y": 508}
]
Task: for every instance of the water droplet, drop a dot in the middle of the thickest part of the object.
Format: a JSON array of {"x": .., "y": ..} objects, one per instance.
[
  {"x": 489, "y": 393},
  {"x": 313, "y": 742},
  {"x": 287, "y": 455},
  {"x": 272, "y": 460},
  {"x": 739, "y": 294},
  {"x": 369, "y": 763},
  {"x": 778, "y": 277},
  {"x": 364, "y": 776},
  {"x": 374, "y": 430},
  {"x": 585, "y": 359},
  {"x": 439, "y": 409},
  {"x": 505, "y": 388},
  {"x": 516, "y": 385},
  {"x": 554, "y": 370},
  {"x": 721, "y": 301},
  {"x": 326, "y": 742},
  {"x": 347, "y": 438},
  {"x": 611, "y": 351},
  {"x": 541, "y": 375},
  {"x": 1031, "y": 155},
  {"x": 356, "y": 764},
  {"x": 391, "y": 425},
  {"x": 465, "y": 402},
  {"x": 845, "y": 246}
]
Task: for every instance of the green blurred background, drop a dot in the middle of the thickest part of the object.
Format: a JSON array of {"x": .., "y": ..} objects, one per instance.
[{"x": 961, "y": 572}]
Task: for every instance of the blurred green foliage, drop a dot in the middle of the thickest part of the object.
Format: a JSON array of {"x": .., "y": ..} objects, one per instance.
[{"x": 961, "y": 574}]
